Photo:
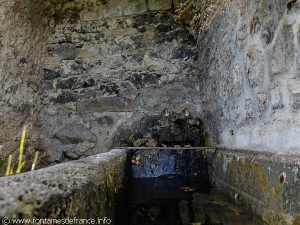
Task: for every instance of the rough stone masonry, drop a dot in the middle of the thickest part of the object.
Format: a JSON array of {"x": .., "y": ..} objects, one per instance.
[
  {"x": 86, "y": 75},
  {"x": 89, "y": 75},
  {"x": 120, "y": 74}
]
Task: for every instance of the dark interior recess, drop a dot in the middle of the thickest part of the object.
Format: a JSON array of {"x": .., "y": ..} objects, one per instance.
[{"x": 172, "y": 187}]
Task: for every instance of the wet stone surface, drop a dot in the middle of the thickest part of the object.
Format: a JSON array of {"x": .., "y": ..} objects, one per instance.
[{"x": 155, "y": 163}]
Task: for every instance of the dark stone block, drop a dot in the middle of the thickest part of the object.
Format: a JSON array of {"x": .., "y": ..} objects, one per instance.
[
  {"x": 149, "y": 18},
  {"x": 105, "y": 104},
  {"x": 99, "y": 35},
  {"x": 181, "y": 53},
  {"x": 76, "y": 151},
  {"x": 50, "y": 74},
  {"x": 89, "y": 83},
  {"x": 184, "y": 36},
  {"x": 148, "y": 125},
  {"x": 189, "y": 39},
  {"x": 163, "y": 28},
  {"x": 66, "y": 51},
  {"x": 151, "y": 78},
  {"x": 160, "y": 38},
  {"x": 67, "y": 83},
  {"x": 137, "y": 41},
  {"x": 65, "y": 98},
  {"x": 80, "y": 66},
  {"x": 74, "y": 134},
  {"x": 75, "y": 83},
  {"x": 105, "y": 120},
  {"x": 109, "y": 88},
  {"x": 144, "y": 79},
  {"x": 154, "y": 55}
]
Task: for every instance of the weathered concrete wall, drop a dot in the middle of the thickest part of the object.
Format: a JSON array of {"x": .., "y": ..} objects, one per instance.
[
  {"x": 267, "y": 183},
  {"x": 120, "y": 73},
  {"x": 249, "y": 63},
  {"x": 82, "y": 189}
]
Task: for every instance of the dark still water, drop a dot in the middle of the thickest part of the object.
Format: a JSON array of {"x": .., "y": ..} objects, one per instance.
[{"x": 178, "y": 201}]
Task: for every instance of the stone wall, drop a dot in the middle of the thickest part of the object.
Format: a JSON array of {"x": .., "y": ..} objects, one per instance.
[
  {"x": 121, "y": 73},
  {"x": 89, "y": 75},
  {"x": 249, "y": 64}
]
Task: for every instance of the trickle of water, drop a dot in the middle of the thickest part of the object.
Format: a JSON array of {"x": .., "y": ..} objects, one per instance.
[{"x": 178, "y": 201}]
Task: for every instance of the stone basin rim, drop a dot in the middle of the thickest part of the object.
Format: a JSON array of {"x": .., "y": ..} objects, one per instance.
[{"x": 167, "y": 148}]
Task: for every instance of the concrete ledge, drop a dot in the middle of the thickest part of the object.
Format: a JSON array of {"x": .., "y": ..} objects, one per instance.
[{"x": 81, "y": 189}]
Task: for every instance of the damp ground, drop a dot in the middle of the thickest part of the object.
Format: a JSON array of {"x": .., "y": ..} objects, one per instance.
[{"x": 178, "y": 201}]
